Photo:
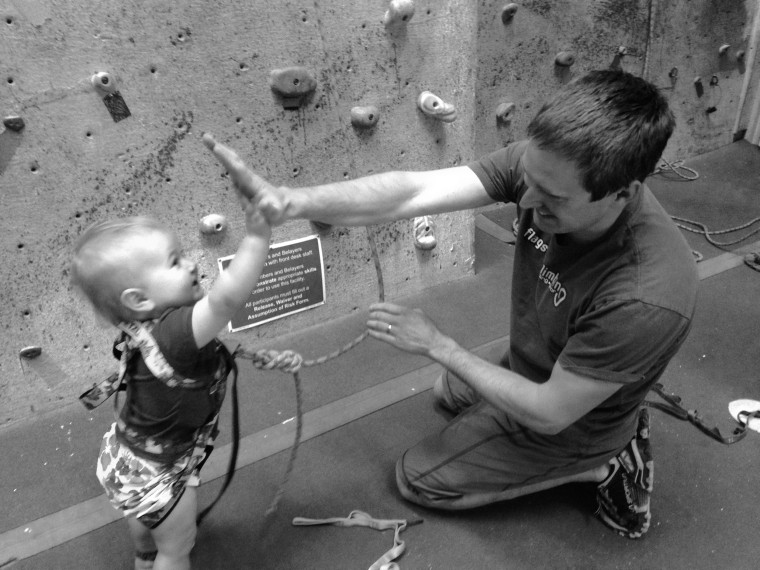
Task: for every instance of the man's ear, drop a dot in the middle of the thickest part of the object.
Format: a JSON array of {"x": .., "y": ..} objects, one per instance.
[
  {"x": 135, "y": 300},
  {"x": 628, "y": 192}
]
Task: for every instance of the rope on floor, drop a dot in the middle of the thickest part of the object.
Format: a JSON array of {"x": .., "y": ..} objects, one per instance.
[
  {"x": 689, "y": 174},
  {"x": 291, "y": 362},
  {"x": 700, "y": 228},
  {"x": 677, "y": 168}
]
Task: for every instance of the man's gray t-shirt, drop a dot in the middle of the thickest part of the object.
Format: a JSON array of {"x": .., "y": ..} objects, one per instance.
[{"x": 614, "y": 310}]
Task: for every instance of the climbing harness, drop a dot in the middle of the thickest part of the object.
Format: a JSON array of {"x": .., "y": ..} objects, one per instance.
[
  {"x": 138, "y": 336},
  {"x": 672, "y": 406},
  {"x": 359, "y": 518}
]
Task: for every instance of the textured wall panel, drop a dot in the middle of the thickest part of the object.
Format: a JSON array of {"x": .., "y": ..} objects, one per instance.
[
  {"x": 671, "y": 42},
  {"x": 188, "y": 67}
]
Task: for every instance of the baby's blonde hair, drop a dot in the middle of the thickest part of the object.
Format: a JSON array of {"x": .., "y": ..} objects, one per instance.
[{"x": 100, "y": 266}]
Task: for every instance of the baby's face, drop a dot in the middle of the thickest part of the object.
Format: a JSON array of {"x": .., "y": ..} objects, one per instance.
[{"x": 167, "y": 277}]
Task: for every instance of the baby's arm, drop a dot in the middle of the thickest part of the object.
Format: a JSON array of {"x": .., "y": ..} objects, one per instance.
[{"x": 234, "y": 285}]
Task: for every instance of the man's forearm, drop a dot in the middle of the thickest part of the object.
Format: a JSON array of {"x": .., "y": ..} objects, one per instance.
[
  {"x": 373, "y": 199},
  {"x": 508, "y": 391}
]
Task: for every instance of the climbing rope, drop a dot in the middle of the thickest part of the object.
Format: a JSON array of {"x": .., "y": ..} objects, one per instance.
[
  {"x": 677, "y": 168},
  {"x": 689, "y": 174},
  {"x": 291, "y": 362},
  {"x": 700, "y": 228}
]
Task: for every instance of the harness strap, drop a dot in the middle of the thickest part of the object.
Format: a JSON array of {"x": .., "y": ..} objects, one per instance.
[
  {"x": 673, "y": 407},
  {"x": 359, "y": 518},
  {"x": 137, "y": 336},
  {"x": 232, "y": 367}
]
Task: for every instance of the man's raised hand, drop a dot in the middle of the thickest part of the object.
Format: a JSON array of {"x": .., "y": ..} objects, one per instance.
[{"x": 266, "y": 196}]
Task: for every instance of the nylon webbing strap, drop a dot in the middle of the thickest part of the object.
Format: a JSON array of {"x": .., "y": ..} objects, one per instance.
[
  {"x": 233, "y": 376},
  {"x": 359, "y": 518},
  {"x": 673, "y": 407}
]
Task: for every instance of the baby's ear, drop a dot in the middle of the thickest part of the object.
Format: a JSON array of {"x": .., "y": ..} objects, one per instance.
[{"x": 135, "y": 300}]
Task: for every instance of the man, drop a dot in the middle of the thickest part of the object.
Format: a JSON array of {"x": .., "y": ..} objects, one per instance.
[{"x": 603, "y": 293}]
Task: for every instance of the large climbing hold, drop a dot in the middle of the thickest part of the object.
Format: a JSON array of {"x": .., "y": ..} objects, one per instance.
[
  {"x": 14, "y": 123},
  {"x": 399, "y": 12},
  {"x": 292, "y": 85},
  {"x": 435, "y": 107},
  {"x": 364, "y": 117},
  {"x": 508, "y": 13}
]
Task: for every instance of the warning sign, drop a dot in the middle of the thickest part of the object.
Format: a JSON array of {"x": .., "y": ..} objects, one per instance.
[{"x": 292, "y": 281}]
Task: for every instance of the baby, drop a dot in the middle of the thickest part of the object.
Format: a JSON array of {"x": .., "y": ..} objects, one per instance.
[{"x": 136, "y": 276}]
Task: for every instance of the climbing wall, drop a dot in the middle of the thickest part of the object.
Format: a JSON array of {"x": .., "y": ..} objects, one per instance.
[
  {"x": 115, "y": 95},
  {"x": 106, "y": 102},
  {"x": 697, "y": 51}
]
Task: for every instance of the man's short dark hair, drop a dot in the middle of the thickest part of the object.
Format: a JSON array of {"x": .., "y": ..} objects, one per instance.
[{"x": 613, "y": 125}]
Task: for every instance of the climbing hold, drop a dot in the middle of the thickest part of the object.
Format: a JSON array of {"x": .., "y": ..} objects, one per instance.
[
  {"x": 364, "y": 117},
  {"x": 114, "y": 102},
  {"x": 399, "y": 11},
  {"x": 424, "y": 236},
  {"x": 213, "y": 224},
  {"x": 740, "y": 55},
  {"x": 508, "y": 12},
  {"x": 435, "y": 107},
  {"x": 292, "y": 85},
  {"x": 30, "y": 352},
  {"x": 103, "y": 81},
  {"x": 723, "y": 50},
  {"x": 622, "y": 50},
  {"x": 14, "y": 123},
  {"x": 565, "y": 59},
  {"x": 504, "y": 112}
]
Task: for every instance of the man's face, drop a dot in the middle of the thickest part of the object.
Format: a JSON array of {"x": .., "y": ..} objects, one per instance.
[{"x": 560, "y": 203}]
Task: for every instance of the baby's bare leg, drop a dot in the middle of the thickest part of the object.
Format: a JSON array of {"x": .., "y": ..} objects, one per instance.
[
  {"x": 175, "y": 536},
  {"x": 145, "y": 547}
]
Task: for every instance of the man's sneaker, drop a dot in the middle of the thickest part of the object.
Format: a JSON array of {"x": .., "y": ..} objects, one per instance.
[{"x": 623, "y": 497}]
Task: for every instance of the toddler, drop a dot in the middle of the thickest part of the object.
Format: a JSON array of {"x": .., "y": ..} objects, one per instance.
[{"x": 136, "y": 276}]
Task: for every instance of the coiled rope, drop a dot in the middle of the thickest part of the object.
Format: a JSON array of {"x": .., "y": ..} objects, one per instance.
[
  {"x": 292, "y": 362},
  {"x": 689, "y": 174}
]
